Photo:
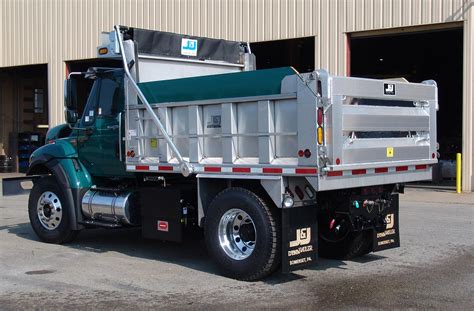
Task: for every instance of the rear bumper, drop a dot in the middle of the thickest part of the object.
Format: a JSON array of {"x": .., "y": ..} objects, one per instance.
[{"x": 371, "y": 177}]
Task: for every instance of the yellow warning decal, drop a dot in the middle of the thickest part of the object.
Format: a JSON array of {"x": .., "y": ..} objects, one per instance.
[
  {"x": 389, "y": 152},
  {"x": 154, "y": 143}
]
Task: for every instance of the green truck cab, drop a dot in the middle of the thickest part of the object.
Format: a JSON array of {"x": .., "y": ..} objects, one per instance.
[
  {"x": 93, "y": 139},
  {"x": 86, "y": 150}
]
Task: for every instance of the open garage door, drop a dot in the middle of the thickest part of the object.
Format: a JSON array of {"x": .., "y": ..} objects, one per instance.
[
  {"x": 297, "y": 53},
  {"x": 23, "y": 114},
  {"x": 418, "y": 56}
]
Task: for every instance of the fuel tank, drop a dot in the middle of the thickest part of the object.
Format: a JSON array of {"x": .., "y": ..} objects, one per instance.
[{"x": 113, "y": 207}]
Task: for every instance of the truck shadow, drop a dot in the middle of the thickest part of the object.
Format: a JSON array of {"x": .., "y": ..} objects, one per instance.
[
  {"x": 191, "y": 253},
  {"x": 323, "y": 264}
]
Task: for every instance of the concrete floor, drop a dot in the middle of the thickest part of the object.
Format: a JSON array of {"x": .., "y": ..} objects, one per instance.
[{"x": 116, "y": 269}]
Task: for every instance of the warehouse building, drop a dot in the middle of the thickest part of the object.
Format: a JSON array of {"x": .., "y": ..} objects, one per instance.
[{"x": 42, "y": 40}]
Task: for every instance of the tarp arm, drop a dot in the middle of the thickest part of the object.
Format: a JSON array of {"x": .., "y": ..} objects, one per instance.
[{"x": 186, "y": 168}]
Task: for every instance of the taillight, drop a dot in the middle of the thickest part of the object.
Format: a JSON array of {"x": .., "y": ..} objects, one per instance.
[
  {"x": 320, "y": 116},
  {"x": 320, "y": 126},
  {"x": 299, "y": 192}
]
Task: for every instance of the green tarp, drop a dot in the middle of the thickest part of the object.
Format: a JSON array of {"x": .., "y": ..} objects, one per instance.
[{"x": 241, "y": 84}]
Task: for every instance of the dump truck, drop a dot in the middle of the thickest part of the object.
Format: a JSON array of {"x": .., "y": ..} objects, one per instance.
[{"x": 274, "y": 167}]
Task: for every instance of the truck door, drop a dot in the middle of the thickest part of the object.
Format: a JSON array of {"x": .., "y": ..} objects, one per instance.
[{"x": 98, "y": 141}]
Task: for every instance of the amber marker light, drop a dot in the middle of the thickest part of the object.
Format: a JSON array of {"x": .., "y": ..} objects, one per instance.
[{"x": 103, "y": 51}]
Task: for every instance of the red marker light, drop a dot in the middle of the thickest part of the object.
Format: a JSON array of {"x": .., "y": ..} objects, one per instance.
[
  {"x": 163, "y": 226},
  {"x": 299, "y": 192},
  {"x": 331, "y": 224},
  {"x": 338, "y": 161},
  {"x": 301, "y": 153},
  {"x": 320, "y": 116}
]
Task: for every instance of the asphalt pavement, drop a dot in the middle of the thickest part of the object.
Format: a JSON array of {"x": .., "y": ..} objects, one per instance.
[{"x": 117, "y": 269}]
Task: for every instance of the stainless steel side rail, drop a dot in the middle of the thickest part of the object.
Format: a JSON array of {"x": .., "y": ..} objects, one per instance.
[{"x": 186, "y": 168}]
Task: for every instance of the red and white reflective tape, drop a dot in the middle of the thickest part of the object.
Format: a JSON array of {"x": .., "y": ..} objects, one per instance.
[
  {"x": 306, "y": 171},
  {"x": 303, "y": 171},
  {"x": 378, "y": 170}
]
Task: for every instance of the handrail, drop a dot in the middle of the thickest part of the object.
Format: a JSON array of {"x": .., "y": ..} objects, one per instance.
[
  {"x": 120, "y": 135},
  {"x": 186, "y": 168}
]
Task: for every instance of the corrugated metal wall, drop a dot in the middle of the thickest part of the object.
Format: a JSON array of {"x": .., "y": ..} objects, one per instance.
[{"x": 53, "y": 31}]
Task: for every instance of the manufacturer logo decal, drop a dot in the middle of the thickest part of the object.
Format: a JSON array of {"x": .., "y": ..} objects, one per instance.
[
  {"x": 303, "y": 237},
  {"x": 214, "y": 122},
  {"x": 189, "y": 47},
  {"x": 163, "y": 226},
  {"x": 389, "y": 89},
  {"x": 390, "y": 220}
]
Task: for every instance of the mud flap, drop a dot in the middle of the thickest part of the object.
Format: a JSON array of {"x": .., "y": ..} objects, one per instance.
[
  {"x": 299, "y": 238},
  {"x": 18, "y": 185},
  {"x": 390, "y": 237}
]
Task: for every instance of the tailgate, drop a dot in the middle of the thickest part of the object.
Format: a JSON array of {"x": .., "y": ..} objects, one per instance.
[{"x": 377, "y": 132}]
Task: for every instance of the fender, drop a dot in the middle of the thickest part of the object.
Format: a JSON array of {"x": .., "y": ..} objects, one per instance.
[
  {"x": 57, "y": 132},
  {"x": 60, "y": 159}
]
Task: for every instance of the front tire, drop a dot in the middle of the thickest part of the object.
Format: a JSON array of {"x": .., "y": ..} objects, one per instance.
[
  {"x": 48, "y": 211},
  {"x": 243, "y": 235}
]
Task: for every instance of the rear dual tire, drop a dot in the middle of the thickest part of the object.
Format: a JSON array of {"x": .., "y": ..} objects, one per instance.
[
  {"x": 354, "y": 245},
  {"x": 242, "y": 234}
]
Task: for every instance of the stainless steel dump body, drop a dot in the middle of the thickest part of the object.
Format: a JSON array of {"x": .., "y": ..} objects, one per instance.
[
  {"x": 374, "y": 132},
  {"x": 262, "y": 135}
]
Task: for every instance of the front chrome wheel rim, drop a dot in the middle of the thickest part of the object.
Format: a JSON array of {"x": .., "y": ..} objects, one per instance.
[
  {"x": 49, "y": 210},
  {"x": 237, "y": 234}
]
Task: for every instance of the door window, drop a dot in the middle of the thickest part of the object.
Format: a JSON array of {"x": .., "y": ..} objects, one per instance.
[
  {"x": 109, "y": 98},
  {"x": 88, "y": 116}
]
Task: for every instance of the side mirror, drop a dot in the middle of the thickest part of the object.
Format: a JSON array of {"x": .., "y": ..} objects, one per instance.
[
  {"x": 71, "y": 116},
  {"x": 70, "y": 100}
]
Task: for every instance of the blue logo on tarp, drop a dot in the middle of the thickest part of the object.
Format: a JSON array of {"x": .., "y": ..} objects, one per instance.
[{"x": 188, "y": 47}]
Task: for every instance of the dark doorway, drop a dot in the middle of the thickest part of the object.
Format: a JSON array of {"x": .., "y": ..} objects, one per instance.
[
  {"x": 436, "y": 55},
  {"x": 23, "y": 114},
  {"x": 84, "y": 85},
  {"x": 297, "y": 53}
]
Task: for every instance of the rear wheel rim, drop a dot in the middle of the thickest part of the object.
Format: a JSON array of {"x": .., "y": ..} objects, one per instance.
[
  {"x": 49, "y": 210},
  {"x": 237, "y": 234}
]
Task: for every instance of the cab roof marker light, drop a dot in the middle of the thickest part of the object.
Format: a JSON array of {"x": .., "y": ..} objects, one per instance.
[{"x": 103, "y": 51}]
